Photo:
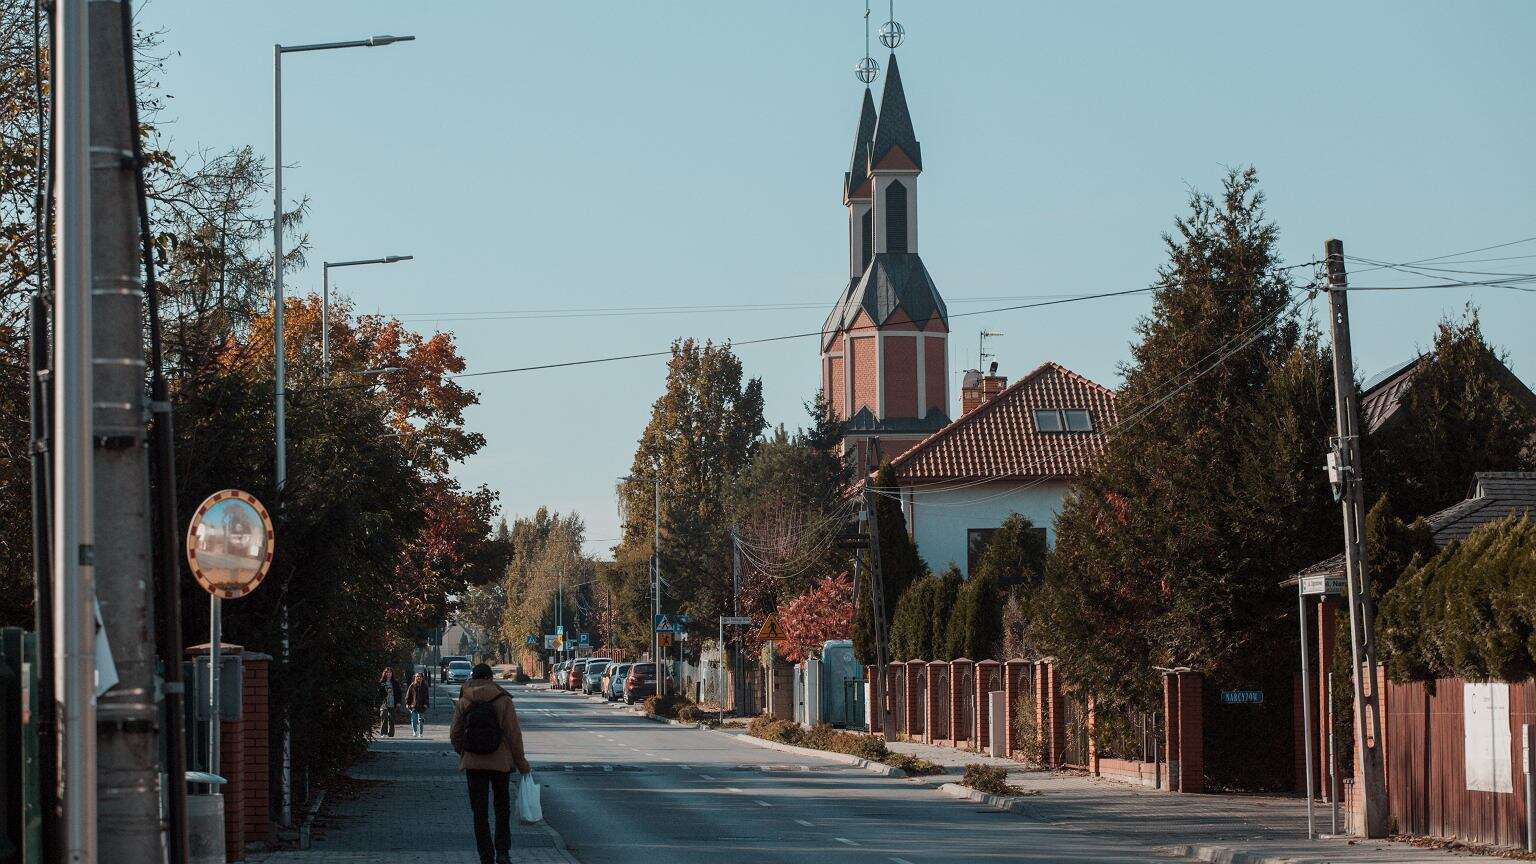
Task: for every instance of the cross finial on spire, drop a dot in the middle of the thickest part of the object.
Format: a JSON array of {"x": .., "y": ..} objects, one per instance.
[{"x": 867, "y": 69}]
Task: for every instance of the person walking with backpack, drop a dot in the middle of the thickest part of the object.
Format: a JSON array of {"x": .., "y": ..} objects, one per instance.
[
  {"x": 418, "y": 697},
  {"x": 389, "y": 702},
  {"x": 489, "y": 741}
]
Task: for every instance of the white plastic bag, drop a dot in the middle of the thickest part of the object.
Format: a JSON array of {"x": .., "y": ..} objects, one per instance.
[{"x": 529, "y": 810}]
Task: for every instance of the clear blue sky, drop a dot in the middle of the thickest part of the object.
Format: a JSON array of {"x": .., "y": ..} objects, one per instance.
[{"x": 558, "y": 155}]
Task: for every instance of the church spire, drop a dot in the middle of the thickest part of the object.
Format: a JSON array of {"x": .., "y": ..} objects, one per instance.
[
  {"x": 894, "y": 130},
  {"x": 854, "y": 182}
]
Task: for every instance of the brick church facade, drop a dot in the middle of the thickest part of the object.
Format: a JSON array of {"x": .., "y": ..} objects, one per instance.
[{"x": 884, "y": 349}]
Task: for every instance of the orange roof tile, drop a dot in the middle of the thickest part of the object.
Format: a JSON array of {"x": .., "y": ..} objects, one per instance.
[{"x": 999, "y": 439}]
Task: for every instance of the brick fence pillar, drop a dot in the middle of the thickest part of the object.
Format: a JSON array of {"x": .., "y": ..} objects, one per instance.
[
  {"x": 988, "y": 673},
  {"x": 256, "y": 770},
  {"x": 917, "y": 701},
  {"x": 933, "y": 694},
  {"x": 1053, "y": 726},
  {"x": 960, "y": 671},
  {"x": 1013, "y": 683},
  {"x": 1190, "y": 688}
]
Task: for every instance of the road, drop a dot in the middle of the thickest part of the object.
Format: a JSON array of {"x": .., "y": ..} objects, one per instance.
[{"x": 625, "y": 790}]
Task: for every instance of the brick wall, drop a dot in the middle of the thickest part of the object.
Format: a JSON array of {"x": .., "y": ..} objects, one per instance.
[
  {"x": 900, "y": 364},
  {"x": 862, "y": 368},
  {"x": 256, "y": 773},
  {"x": 936, "y": 375},
  {"x": 835, "y": 388}
]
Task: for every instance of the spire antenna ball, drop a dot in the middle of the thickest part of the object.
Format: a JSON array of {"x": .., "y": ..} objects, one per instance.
[{"x": 892, "y": 34}]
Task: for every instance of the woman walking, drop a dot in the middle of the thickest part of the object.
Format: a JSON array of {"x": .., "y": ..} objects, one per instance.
[
  {"x": 418, "y": 697},
  {"x": 389, "y": 701}
]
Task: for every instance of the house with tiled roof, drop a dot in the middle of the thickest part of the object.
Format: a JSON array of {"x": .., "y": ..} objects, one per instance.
[
  {"x": 1014, "y": 449},
  {"x": 1382, "y": 399}
]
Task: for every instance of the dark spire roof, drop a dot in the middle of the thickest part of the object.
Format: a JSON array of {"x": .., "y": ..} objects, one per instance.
[
  {"x": 894, "y": 280},
  {"x": 858, "y": 168},
  {"x": 894, "y": 128}
]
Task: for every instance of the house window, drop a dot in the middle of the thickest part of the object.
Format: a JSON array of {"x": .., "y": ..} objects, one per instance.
[
  {"x": 1068, "y": 420},
  {"x": 976, "y": 540},
  {"x": 896, "y": 217}
]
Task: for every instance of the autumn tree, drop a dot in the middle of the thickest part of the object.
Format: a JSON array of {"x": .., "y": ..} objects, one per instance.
[{"x": 821, "y": 614}]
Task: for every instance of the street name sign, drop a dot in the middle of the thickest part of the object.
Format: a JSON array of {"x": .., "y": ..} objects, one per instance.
[
  {"x": 229, "y": 543},
  {"x": 1322, "y": 583},
  {"x": 736, "y": 620},
  {"x": 1242, "y": 697}
]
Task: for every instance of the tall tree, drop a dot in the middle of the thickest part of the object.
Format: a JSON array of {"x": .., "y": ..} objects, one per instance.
[
  {"x": 1208, "y": 494},
  {"x": 1461, "y": 413},
  {"x": 702, "y": 434}
]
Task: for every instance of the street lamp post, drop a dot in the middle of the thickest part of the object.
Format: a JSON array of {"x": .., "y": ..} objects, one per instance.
[
  {"x": 281, "y": 467},
  {"x": 325, "y": 304}
]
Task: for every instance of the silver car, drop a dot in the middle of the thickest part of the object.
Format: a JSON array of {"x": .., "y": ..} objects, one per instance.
[{"x": 459, "y": 671}]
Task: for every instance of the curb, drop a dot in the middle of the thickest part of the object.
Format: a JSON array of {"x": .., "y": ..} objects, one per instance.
[
  {"x": 1230, "y": 855},
  {"x": 879, "y": 768},
  {"x": 1009, "y": 803}
]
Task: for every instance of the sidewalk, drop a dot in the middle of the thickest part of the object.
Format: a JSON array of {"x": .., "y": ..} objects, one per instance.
[
  {"x": 1231, "y": 829},
  {"x": 405, "y": 803}
]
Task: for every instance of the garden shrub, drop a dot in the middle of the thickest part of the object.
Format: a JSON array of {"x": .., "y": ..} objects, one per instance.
[
  {"x": 993, "y": 781},
  {"x": 915, "y": 766},
  {"x": 666, "y": 706}
]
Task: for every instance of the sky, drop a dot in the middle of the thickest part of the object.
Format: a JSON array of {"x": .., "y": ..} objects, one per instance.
[{"x": 579, "y": 160}]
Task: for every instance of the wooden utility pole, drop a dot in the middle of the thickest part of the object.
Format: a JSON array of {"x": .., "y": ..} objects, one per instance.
[{"x": 1362, "y": 639}]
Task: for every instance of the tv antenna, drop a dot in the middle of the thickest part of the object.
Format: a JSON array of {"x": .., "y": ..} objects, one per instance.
[{"x": 982, "y": 354}]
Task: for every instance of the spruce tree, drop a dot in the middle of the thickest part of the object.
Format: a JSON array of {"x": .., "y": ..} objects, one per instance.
[{"x": 1209, "y": 493}]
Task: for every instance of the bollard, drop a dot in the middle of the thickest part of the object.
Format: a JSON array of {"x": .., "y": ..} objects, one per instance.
[{"x": 997, "y": 728}]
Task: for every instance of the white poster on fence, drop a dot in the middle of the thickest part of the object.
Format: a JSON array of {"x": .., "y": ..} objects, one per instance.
[{"x": 1485, "y": 711}]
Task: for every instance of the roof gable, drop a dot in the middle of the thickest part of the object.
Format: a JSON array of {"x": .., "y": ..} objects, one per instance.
[
  {"x": 999, "y": 440},
  {"x": 1383, "y": 401}
]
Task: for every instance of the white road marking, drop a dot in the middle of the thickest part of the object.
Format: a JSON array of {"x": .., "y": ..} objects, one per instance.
[
  {"x": 733, "y": 789},
  {"x": 764, "y": 804},
  {"x": 686, "y": 767},
  {"x": 705, "y": 777},
  {"x": 805, "y": 823},
  {"x": 845, "y": 840},
  {"x": 900, "y": 861}
]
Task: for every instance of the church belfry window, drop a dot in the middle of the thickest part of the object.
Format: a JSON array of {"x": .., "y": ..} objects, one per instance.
[
  {"x": 896, "y": 217},
  {"x": 867, "y": 249}
]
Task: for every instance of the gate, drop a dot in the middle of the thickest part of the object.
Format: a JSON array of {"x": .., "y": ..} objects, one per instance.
[
  {"x": 853, "y": 703},
  {"x": 1074, "y": 721}
]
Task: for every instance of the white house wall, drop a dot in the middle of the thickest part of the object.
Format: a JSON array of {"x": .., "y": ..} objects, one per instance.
[{"x": 939, "y": 517}]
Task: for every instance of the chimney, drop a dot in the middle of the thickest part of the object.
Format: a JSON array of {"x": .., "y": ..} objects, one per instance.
[{"x": 977, "y": 389}]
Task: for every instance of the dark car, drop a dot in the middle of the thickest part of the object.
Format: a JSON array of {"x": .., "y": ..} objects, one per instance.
[
  {"x": 640, "y": 683},
  {"x": 592, "y": 676}
]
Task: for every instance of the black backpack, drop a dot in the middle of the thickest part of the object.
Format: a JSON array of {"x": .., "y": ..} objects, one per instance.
[{"x": 482, "y": 728}]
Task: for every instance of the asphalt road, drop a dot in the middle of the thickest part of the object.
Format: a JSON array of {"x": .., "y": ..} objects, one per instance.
[{"x": 625, "y": 790}]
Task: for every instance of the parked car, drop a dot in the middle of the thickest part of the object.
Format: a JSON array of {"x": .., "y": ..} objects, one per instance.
[
  {"x": 560, "y": 678},
  {"x": 613, "y": 687},
  {"x": 592, "y": 678},
  {"x": 640, "y": 683},
  {"x": 459, "y": 670},
  {"x": 442, "y": 665},
  {"x": 554, "y": 674}
]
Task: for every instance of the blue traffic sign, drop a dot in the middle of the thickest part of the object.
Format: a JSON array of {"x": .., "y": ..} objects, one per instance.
[{"x": 584, "y": 639}]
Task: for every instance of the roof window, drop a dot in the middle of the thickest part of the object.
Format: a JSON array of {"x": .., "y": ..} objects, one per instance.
[{"x": 1067, "y": 420}]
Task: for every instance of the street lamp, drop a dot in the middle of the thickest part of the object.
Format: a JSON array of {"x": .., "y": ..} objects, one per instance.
[
  {"x": 325, "y": 304},
  {"x": 281, "y": 467}
]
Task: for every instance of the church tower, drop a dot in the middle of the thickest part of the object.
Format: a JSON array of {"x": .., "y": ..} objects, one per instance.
[{"x": 884, "y": 349}]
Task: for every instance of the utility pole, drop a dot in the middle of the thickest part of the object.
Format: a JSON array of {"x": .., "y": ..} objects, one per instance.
[
  {"x": 73, "y": 534},
  {"x": 661, "y": 678},
  {"x": 737, "y": 700},
  {"x": 877, "y": 596},
  {"x": 1362, "y": 639},
  {"x": 128, "y": 754}
]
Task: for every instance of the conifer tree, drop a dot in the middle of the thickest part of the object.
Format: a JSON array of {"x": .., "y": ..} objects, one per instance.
[{"x": 1209, "y": 493}]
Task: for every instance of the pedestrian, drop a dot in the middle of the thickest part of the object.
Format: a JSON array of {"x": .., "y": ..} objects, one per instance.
[
  {"x": 418, "y": 697},
  {"x": 486, "y": 735},
  {"x": 390, "y": 700}
]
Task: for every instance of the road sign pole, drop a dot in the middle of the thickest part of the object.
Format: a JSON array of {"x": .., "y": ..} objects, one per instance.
[
  {"x": 215, "y": 636},
  {"x": 1306, "y": 707}
]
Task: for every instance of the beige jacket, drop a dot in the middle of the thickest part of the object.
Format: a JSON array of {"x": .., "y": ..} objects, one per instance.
[{"x": 510, "y": 754}]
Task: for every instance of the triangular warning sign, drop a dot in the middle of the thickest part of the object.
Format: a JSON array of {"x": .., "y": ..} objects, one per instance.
[{"x": 770, "y": 631}]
